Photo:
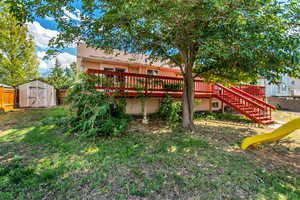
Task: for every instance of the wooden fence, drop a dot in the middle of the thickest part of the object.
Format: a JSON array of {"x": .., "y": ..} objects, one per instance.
[
  {"x": 7, "y": 99},
  {"x": 61, "y": 94}
]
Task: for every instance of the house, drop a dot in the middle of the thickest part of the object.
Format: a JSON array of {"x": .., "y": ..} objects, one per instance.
[
  {"x": 123, "y": 73},
  {"x": 36, "y": 94},
  {"x": 89, "y": 58},
  {"x": 287, "y": 87},
  {"x": 284, "y": 95}
]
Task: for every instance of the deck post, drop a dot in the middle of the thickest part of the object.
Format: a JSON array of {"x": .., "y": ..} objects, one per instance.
[
  {"x": 210, "y": 104},
  {"x": 222, "y": 106},
  {"x": 145, "y": 119}
]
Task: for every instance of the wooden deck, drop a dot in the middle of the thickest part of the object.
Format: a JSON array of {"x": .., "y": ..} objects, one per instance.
[{"x": 245, "y": 99}]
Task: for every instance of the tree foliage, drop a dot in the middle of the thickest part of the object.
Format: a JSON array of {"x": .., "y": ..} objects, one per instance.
[
  {"x": 229, "y": 41},
  {"x": 19, "y": 10},
  {"x": 62, "y": 78},
  {"x": 18, "y": 62}
]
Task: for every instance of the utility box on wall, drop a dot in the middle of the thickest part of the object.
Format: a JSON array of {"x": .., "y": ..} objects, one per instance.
[{"x": 37, "y": 94}]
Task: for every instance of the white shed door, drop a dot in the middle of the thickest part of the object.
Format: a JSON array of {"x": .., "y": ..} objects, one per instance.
[
  {"x": 32, "y": 97},
  {"x": 37, "y": 96},
  {"x": 42, "y": 100}
]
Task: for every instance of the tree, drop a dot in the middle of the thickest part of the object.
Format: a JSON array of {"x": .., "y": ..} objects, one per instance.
[
  {"x": 61, "y": 78},
  {"x": 18, "y": 62},
  {"x": 19, "y": 10},
  {"x": 230, "y": 41}
]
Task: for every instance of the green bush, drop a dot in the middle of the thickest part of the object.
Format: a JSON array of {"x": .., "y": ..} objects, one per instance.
[
  {"x": 170, "y": 110},
  {"x": 93, "y": 113}
]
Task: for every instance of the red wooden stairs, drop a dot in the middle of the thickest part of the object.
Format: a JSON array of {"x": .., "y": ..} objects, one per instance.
[{"x": 245, "y": 103}]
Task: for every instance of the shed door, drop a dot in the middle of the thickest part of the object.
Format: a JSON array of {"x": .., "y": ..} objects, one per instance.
[
  {"x": 37, "y": 96},
  {"x": 42, "y": 100},
  {"x": 32, "y": 97}
]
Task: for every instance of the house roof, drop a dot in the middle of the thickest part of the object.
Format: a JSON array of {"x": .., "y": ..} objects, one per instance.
[{"x": 118, "y": 56}]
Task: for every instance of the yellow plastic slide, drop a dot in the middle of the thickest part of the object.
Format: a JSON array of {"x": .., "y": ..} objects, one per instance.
[{"x": 275, "y": 135}]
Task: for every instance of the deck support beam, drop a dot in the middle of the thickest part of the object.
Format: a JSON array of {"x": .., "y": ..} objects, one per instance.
[
  {"x": 144, "y": 110},
  {"x": 222, "y": 106},
  {"x": 210, "y": 105}
]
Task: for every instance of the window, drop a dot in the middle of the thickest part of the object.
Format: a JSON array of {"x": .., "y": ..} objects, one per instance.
[
  {"x": 215, "y": 104},
  {"x": 109, "y": 69},
  {"x": 278, "y": 89},
  {"x": 114, "y": 80},
  {"x": 284, "y": 87},
  {"x": 120, "y": 70},
  {"x": 293, "y": 82},
  {"x": 152, "y": 72}
]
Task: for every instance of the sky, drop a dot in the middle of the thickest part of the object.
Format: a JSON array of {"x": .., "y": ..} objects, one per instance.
[{"x": 42, "y": 30}]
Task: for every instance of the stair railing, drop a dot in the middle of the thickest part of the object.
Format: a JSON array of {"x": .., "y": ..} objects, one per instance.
[
  {"x": 268, "y": 108},
  {"x": 241, "y": 103}
]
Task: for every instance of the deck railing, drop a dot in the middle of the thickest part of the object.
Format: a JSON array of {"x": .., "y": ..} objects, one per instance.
[
  {"x": 148, "y": 84},
  {"x": 155, "y": 85}
]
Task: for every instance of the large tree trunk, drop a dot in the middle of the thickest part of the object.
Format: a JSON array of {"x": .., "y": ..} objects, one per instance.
[{"x": 188, "y": 98}]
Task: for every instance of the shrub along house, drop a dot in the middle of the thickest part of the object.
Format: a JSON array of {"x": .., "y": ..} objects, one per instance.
[{"x": 133, "y": 74}]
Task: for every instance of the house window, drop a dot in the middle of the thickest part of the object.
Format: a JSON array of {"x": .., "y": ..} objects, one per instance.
[
  {"x": 109, "y": 69},
  {"x": 113, "y": 69},
  {"x": 293, "y": 82},
  {"x": 215, "y": 104},
  {"x": 152, "y": 72},
  {"x": 284, "y": 88},
  {"x": 114, "y": 80},
  {"x": 278, "y": 89}
]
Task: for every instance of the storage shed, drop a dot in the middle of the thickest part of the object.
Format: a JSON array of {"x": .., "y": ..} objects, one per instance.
[{"x": 37, "y": 94}]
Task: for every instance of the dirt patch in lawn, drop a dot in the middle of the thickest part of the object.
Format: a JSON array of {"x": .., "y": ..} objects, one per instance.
[
  {"x": 227, "y": 136},
  {"x": 283, "y": 154}
]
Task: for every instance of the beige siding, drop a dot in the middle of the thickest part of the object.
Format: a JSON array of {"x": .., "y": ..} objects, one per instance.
[
  {"x": 134, "y": 105},
  {"x": 203, "y": 104}
]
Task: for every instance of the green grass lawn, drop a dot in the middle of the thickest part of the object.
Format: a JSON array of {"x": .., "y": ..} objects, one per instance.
[{"x": 39, "y": 161}]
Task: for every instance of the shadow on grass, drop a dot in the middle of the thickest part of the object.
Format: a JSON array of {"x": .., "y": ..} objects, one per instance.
[{"x": 40, "y": 162}]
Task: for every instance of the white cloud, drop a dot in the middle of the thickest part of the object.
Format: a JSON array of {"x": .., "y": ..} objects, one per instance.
[
  {"x": 71, "y": 15},
  {"x": 65, "y": 59},
  {"x": 41, "y": 35},
  {"x": 49, "y": 18}
]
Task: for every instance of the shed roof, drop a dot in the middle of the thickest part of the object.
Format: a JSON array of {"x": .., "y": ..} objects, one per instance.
[
  {"x": 5, "y": 86},
  {"x": 36, "y": 81}
]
